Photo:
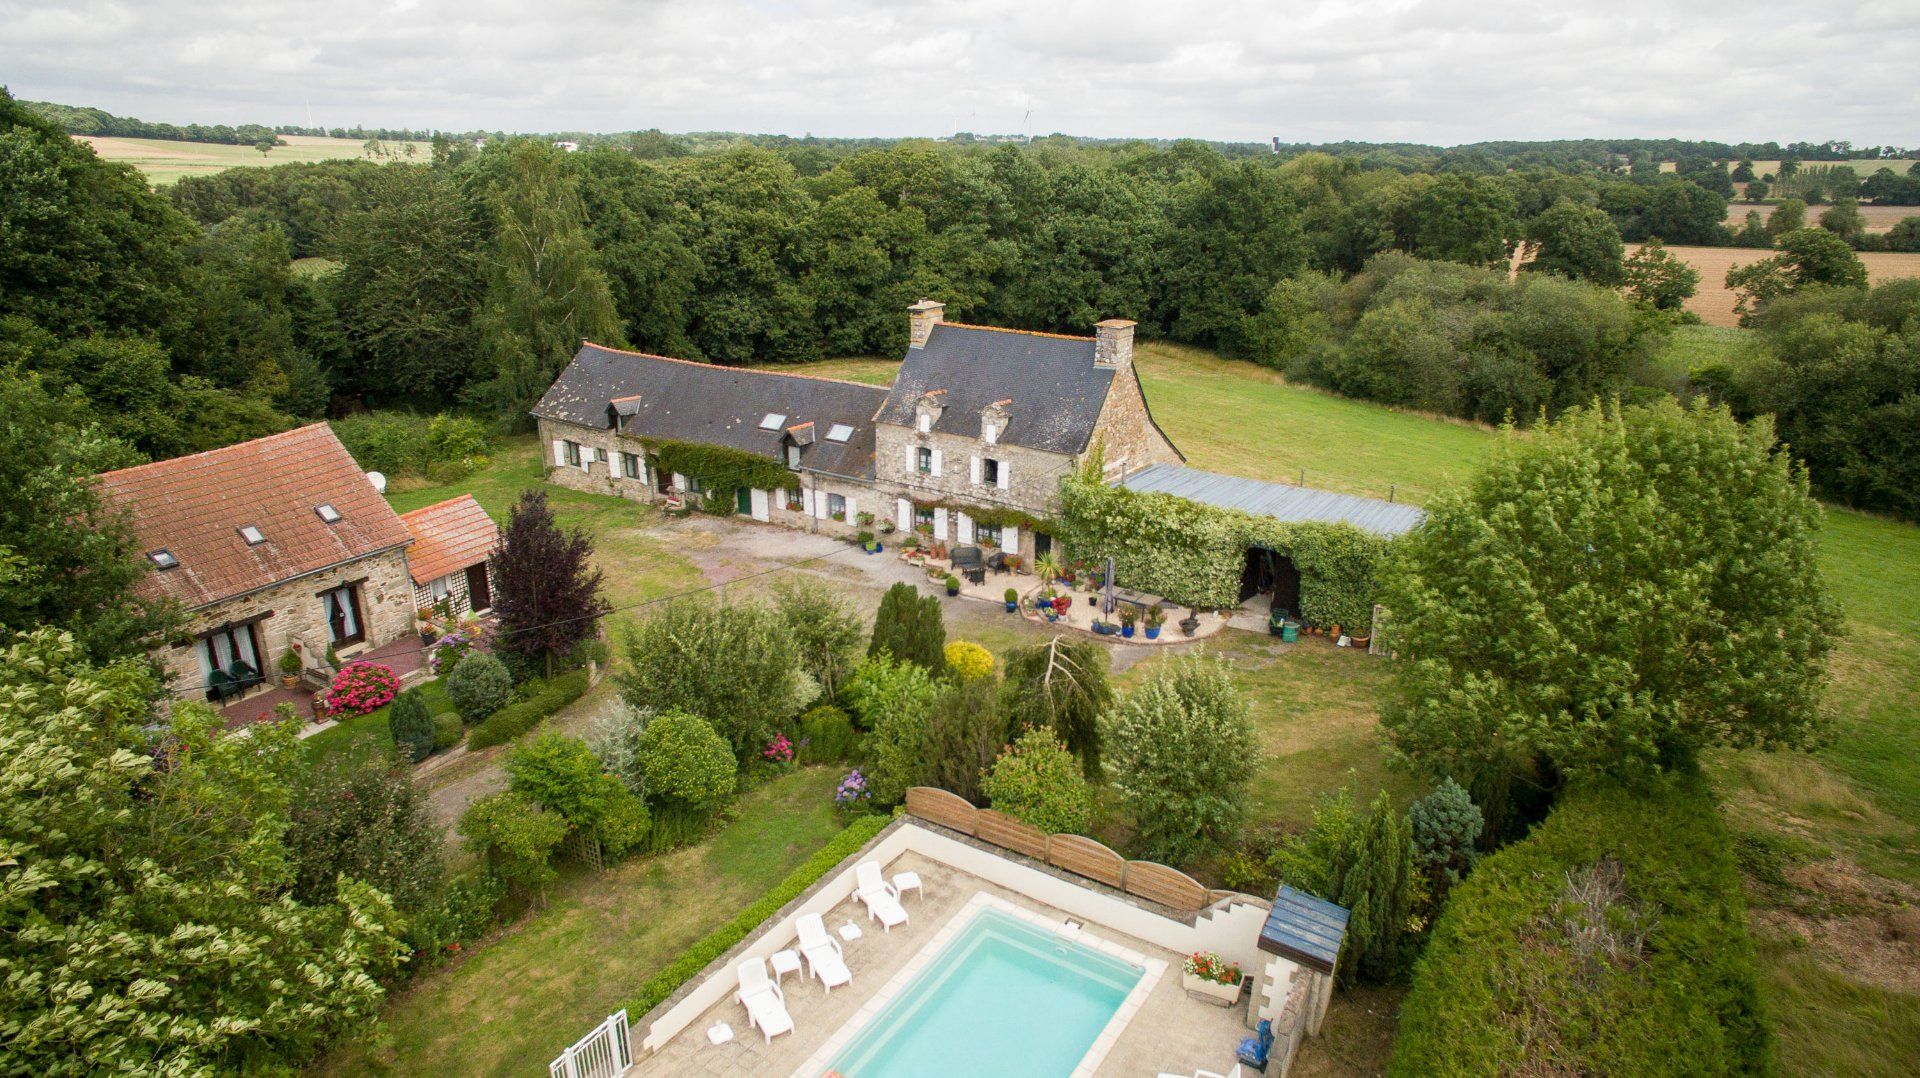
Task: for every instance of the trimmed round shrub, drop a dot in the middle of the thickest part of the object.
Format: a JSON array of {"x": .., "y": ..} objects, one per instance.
[
  {"x": 1037, "y": 781},
  {"x": 687, "y": 765},
  {"x": 479, "y": 686},
  {"x": 968, "y": 660},
  {"x": 447, "y": 730},
  {"x": 360, "y": 688}
]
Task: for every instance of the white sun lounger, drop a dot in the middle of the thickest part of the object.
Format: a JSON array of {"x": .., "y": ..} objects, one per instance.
[
  {"x": 882, "y": 899},
  {"x": 824, "y": 956},
  {"x": 766, "y": 1005}
]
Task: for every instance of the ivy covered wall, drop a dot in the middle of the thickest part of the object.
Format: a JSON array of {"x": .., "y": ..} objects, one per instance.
[{"x": 1193, "y": 554}]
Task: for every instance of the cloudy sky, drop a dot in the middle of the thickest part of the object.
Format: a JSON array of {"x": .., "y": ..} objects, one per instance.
[{"x": 1442, "y": 71}]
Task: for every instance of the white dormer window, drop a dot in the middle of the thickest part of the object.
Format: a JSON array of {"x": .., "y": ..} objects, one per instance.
[
  {"x": 163, "y": 559},
  {"x": 252, "y": 535},
  {"x": 839, "y": 432},
  {"x": 327, "y": 513},
  {"x": 772, "y": 421},
  {"x": 926, "y": 422},
  {"x": 793, "y": 457}
]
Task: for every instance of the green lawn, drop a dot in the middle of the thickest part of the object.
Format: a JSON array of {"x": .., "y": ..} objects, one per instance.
[
  {"x": 371, "y": 728},
  {"x": 516, "y": 1002},
  {"x": 638, "y": 567}
]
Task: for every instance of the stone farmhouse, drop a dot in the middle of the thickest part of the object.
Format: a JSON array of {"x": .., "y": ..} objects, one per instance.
[
  {"x": 969, "y": 444},
  {"x": 280, "y": 545}
]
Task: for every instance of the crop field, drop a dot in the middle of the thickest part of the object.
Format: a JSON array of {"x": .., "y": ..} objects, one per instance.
[
  {"x": 1878, "y": 218},
  {"x": 1714, "y": 300},
  {"x": 163, "y": 161}
]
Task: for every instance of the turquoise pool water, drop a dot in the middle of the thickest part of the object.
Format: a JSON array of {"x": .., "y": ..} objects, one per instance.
[{"x": 1004, "y": 998}]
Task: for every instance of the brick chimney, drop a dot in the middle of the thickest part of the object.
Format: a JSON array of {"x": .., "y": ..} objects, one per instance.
[
  {"x": 923, "y": 316},
  {"x": 1113, "y": 343}
]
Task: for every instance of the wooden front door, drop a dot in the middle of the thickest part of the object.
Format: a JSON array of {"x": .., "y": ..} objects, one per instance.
[{"x": 479, "y": 593}]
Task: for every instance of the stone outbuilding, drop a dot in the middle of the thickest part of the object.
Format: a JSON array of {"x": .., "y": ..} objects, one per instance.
[
  {"x": 452, "y": 542},
  {"x": 274, "y": 546}
]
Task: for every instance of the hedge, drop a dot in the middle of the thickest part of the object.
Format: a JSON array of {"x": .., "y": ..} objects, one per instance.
[
  {"x": 720, "y": 940},
  {"x": 542, "y": 698},
  {"x": 1501, "y": 990},
  {"x": 1193, "y": 554}
]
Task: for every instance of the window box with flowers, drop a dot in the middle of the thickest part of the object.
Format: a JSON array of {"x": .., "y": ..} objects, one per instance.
[{"x": 1207, "y": 976}]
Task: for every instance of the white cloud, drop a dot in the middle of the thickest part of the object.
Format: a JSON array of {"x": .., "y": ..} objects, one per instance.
[{"x": 1422, "y": 70}]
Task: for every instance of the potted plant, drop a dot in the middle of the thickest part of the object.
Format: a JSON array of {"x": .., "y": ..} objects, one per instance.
[
  {"x": 1361, "y": 642},
  {"x": 1191, "y": 623},
  {"x": 887, "y": 527},
  {"x": 867, "y": 542},
  {"x": 1127, "y": 619},
  {"x": 1102, "y": 627},
  {"x": 1156, "y": 616},
  {"x": 1207, "y": 976},
  {"x": 953, "y": 585},
  {"x": 289, "y": 668},
  {"x": 839, "y": 515},
  {"x": 864, "y": 519},
  {"x": 1047, "y": 567},
  {"x": 1012, "y": 596}
]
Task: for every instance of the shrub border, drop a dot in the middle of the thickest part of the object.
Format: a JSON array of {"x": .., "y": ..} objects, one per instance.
[{"x": 665, "y": 983}]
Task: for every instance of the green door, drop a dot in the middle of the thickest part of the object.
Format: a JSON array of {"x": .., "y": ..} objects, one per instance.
[{"x": 742, "y": 501}]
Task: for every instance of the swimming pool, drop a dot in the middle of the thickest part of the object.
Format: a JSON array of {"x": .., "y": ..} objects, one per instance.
[{"x": 1005, "y": 998}]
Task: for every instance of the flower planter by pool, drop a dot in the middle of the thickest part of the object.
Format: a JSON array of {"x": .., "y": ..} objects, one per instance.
[{"x": 1220, "y": 995}]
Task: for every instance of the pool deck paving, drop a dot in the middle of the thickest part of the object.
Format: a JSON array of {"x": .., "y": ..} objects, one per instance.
[{"x": 1169, "y": 1032}]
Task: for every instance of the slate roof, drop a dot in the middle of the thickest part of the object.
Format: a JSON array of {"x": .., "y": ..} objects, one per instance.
[
  {"x": 1306, "y": 929},
  {"x": 195, "y": 506},
  {"x": 685, "y": 401},
  {"x": 1055, "y": 391},
  {"x": 1281, "y": 501},
  {"x": 447, "y": 537}
]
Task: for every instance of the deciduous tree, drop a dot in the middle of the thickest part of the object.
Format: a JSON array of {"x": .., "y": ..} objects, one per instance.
[
  {"x": 1182, "y": 750},
  {"x": 730, "y": 663},
  {"x": 1061, "y": 686},
  {"x": 546, "y": 589}
]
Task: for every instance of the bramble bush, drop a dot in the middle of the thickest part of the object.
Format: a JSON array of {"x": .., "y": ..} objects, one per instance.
[
  {"x": 479, "y": 686},
  {"x": 1036, "y": 780}
]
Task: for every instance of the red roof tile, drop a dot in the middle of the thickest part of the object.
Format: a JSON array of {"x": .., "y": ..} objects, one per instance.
[
  {"x": 195, "y": 506},
  {"x": 449, "y": 536}
]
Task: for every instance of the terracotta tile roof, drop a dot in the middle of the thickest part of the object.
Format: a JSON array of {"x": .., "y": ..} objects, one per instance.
[
  {"x": 448, "y": 536},
  {"x": 194, "y": 507}
]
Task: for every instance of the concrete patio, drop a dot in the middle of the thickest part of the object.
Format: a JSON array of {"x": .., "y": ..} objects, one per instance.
[{"x": 1169, "y": 1031}]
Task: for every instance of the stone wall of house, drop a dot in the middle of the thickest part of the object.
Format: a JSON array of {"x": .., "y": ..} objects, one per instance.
[
  {"x": 1033, "y": 477},
  {"x": 297, "y": 614},
  {"x": 1126, "y": 431}
]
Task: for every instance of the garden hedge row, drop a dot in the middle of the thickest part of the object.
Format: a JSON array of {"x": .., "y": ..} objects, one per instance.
[
  {"x": 720, "y": 940},
  {"x": 1502, "y": 990},
  {"x": 524, "y": 714},
  {"x": 1193, "y": 554}
]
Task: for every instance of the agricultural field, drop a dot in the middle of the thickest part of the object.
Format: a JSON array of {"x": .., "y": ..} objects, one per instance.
[
  {"x": 1714, "y": 300},
  {"x": 163, "y": 161},
  {"x": 1878, "y": 218}
]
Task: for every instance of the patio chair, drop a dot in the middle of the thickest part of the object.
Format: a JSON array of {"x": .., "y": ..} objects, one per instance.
[
  {"x": 824, "y": 957},
  {"x": 245, "y": 675},
  {"x": 221, "y": 685},
  {"x": 881, "y": 899},
  {"x": 766, "y": 1005}
]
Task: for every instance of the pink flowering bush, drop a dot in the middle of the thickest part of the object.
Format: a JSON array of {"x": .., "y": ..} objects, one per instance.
[
  {"x": 359, "y": 688},
  {"x": 779, "y": 750}
]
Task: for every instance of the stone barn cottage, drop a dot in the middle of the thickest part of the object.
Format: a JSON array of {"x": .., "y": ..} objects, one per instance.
[
  {"x": 969, "y": 443},
  {"x": 452, "y": 541},
  {"x": 275, "y": 545}
]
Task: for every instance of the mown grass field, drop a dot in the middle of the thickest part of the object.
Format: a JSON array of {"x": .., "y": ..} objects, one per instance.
[{"x": 163, "y": 161}]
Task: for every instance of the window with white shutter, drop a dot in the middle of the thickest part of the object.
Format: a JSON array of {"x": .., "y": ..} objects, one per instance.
[
  {"x": 973, "y": 470},
  {"x": 852, "y": 512},
  {"x": 936, "y": 464},
  {"x": 903, "y": 514},
  {"x": 940, "y": 524},
  {"x": 965, "y": 528},
  {"x": 559, "y": 452},
  {"x": 913, "y": 458},
  {"x": 806, "y": 501},
  {"x": 1010, "y": 539},
  {"x": 1003, "y": 473}
]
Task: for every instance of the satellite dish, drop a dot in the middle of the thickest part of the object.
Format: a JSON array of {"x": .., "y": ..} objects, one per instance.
[{"x": 379, "y": 482}]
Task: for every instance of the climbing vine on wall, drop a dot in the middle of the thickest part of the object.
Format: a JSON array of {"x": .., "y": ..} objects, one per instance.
[
  {"x": 721, "y": 470},
  {"x": 1193, "y": 554},
  {"x": 991, "y": 516}
]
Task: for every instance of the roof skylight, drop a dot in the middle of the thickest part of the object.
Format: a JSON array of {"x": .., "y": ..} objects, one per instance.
[
  {"x": 163, "y": 558},
  {"x": 839, "y": 432},
  {"x": 327, "y": 512},
  {"x": 772, "y": 421},
  {"x": 252, "y": 535}
]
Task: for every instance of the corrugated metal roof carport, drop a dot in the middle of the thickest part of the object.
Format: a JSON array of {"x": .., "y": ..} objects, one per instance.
[{"x": 1281, "y": 501}]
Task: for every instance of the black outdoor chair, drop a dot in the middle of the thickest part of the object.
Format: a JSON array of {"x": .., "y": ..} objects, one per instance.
[
  {"x": 998, "y": 563},
  {"x": 970, "y": 562}
]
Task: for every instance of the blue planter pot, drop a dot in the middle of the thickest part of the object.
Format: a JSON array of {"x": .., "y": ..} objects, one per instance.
[
  {"x": 1126, "y": 631},
  {"x": 1013, "y": 606},
  {"x": 1153, "y": 632}
]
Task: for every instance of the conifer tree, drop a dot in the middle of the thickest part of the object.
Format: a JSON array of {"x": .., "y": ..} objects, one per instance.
[
  {"x": 909, "y": 628},
  {"x": 1375, "y": 884},
  {"x": 411, "y": 726}
]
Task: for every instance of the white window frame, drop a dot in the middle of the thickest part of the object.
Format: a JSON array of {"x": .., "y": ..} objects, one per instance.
[
  {"x": 573, "y": 454},
  {"x": 923, "y": 460},
  {"x": 842, "y": 499}
]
